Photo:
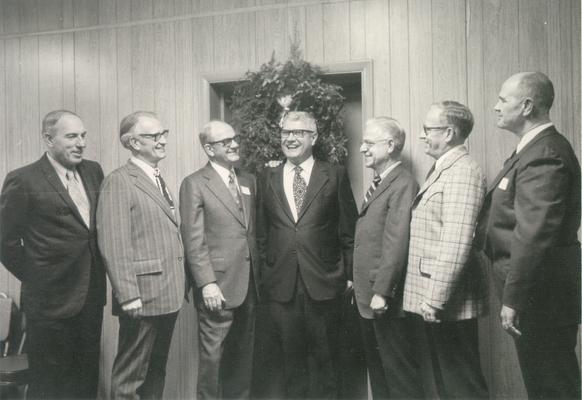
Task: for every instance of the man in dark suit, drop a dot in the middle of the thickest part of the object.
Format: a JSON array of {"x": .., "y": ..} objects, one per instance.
[
  {"x": 139, "y": 238},
  {"x": 48, "y": 241},
  {"x": 532, "y": 226},
  {"x": 217, "y": 204},
  {"x": 307, "y": 217},
  {"x": 380, "y": 258}
]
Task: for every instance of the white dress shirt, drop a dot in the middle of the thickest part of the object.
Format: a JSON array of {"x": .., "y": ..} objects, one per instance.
[
  {"x": 529, "y": 136},
  {"x": 289, "y": 174},
  {"x": 385, "y": 173},
  {"x": 224, "y": 174},
  {"x": 148, "y": 169},
  {"x": 62, "y": 173}
]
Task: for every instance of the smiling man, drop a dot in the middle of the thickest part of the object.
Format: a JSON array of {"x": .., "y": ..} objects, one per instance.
[
  {"x": 47, "y": 237},
  {"x": 306, "y": 223},
  {"x": 380, "y": 258},
  {"x": 217, "y": 204},
  {"x": 444, "y": 291},
  {"x": 139, "y": 237}
]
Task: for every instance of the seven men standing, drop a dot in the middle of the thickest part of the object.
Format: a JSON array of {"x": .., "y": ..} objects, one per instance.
[
  {"x": 217, "y": 204},
  {"x": 48, "y": 242},
  {"x": 139, "y": 238},
  {"x": 445, "y": 286},
  {"x": 532, "y": 225}
]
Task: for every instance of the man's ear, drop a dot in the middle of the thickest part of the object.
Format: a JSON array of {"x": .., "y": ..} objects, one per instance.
[
  {"x": 208, "y": 150},
  {"x": 450, "y": 134},
  {"x": 528, "y": 106},
  {"x": 47, "y": 138}
]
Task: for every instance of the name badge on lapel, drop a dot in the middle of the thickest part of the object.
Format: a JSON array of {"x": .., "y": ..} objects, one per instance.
[
  {"x": 503, "y": 184},
  {"x": 245, "y": 190}
]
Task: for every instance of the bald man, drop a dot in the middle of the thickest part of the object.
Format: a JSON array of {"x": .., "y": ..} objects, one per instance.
[
  {"x": 217, "y": 204},
  {"x": 532, "y": 223}
]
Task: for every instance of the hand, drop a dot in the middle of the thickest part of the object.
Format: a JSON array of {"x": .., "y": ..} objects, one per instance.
[
  {"x": 510, "y": 321},
  {"x": 378, "y": 304},
  {"x": 213, "y": 298},
  {"x": 132, "y": 308},
  {"x": 429, "y": 313}
]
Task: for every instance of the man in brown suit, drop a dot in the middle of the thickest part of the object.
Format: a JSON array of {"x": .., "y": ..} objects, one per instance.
[{"x": 217, "y": 203}]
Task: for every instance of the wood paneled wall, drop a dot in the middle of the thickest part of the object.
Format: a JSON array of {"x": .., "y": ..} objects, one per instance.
[{"x": 106, "y": 58}]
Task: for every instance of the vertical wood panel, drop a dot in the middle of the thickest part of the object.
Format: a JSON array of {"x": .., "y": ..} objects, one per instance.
[
  {"x": 421, "y": 87},
  {"x": 51, "y": 14},
  {"x": 576, "y": 16},
  {"x": 68, "y": 71},
  {"x": 336, "y": 36},
  {"x": 399, "y": 72},
  {"x": 377, "y": 48},
  {"x": 11, "y": 10},
  {"x": 533, "y": 35},
  {"x": 271, "y": 36},
  {"x": 234, "y": 38},
  {"x": 357, "y": 30},
  {"x": 28, "y": 106},
  {"x": 50, "y": 74},
  {"x": 296, "y": 29},
  {"x": 449, "y": 50},
  {"x": 314, "y": 47}
]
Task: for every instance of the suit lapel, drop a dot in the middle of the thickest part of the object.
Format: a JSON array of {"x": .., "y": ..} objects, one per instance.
[
  {"x": 246, "y": 199},
  {"x": 385, "y": 184},
  {"x": 51, "y": 176},
  {"x": 511, "y": 162},
  {"x": 145, "y": 184},
  {"x": 319, "y": 177},
  {"x": 278, "y": 189},
  {"x": 452, "y": 158},
  {"x": 216, "y": 185}
]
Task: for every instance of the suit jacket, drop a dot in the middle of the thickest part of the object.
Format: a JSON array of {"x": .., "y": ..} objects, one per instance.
[
  {"x": 319, "y": 245},
  {"x": 45, "y": 243},
  {"x": 532, "y": 227},
  {"x": 139, "y": 238},
  {"x": 443, "y": 268},
  {"x": 381, "y": 242},
  {"x": 219, "y": 240}
]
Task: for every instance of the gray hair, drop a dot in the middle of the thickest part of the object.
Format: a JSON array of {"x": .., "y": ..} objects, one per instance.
[
  {"x": 392, "y": 127},
  {"x": 539, "y": 87},
  {"x": 50, "y": 120},
  {"x": 301, "y": 116},
  {"x": 458, "y": 115},
  {"x": 127, "y": 124}
]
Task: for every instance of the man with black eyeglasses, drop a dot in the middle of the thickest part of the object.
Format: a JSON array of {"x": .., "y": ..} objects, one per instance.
[
  {"x": 217, "y": 204},
  {"x": 139, "y": 238},
  {"x": 306, "y": 222}
]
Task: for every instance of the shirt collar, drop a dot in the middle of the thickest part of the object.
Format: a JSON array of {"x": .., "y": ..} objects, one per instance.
[
  {"x": 530, "y": 135},
  {"x": 385, "y": 173},
  {"x": 442, "y": 158},
  {"x": 306, "y": 166},
  {"x": 222, "y": 171},
  {"x": 148, "y": 169},
  {"x": 60, "y": 169}
]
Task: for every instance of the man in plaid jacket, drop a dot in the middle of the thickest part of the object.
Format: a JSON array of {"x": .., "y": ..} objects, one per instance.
[{"x": 445, "y": 290}]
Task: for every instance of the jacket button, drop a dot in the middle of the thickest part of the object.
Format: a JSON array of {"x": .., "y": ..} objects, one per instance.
[
  {"x": 179, "y": 258},
  {"x": 247, "y": 258}
]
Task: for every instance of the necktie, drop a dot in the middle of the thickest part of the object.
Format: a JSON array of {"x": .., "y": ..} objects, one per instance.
[
  {"x": 299, "y": 188},
  {"x": 233, "y": 188},
  {"x": 510, "y": 157},
  {"x": 163, "y": 188},
  {"x": 79, "y": 196},
  {"x": 373, "y": 186}
]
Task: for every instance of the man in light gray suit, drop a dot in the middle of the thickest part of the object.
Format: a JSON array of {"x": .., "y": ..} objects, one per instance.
[
  {"x": 217, "y": 203},
  {"x": 139, "y": 238}
]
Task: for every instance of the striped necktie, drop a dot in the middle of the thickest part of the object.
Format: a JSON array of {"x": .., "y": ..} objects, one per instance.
[
  {"x": 163, "y": 188},
  {"x": 233, "y": 188},
  {"x": 79, "y": 197},
  {"x": 375, "y": 182}
]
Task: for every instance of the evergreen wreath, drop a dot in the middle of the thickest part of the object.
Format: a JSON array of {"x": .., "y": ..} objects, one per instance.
[{"x": 259, "y": 103}]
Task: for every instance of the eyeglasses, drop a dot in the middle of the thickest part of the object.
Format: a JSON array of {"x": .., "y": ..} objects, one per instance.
[
  {"x": 155, "y": 136},
  {"x": 371, "y": 144},
  {"x": 298, "y": 133},
  {"x": 427, "y": 129},
  {"x": 227, "y": 142}
]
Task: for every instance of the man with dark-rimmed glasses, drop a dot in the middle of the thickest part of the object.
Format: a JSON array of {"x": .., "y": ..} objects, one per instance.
[
  {"x": 217, "y": 204},
  {"x": 305, "y": 234},
  {"x": 139, "y": 238}
]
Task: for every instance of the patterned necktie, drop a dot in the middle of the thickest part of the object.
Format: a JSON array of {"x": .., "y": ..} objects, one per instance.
[
  {"x": 373, "y": 186},
  {"x": 233, "y": 188},
  {"x": 299, "y": 188},
  {"x": 163, "y": 188},
  {"x": 75, "y": 189}
]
